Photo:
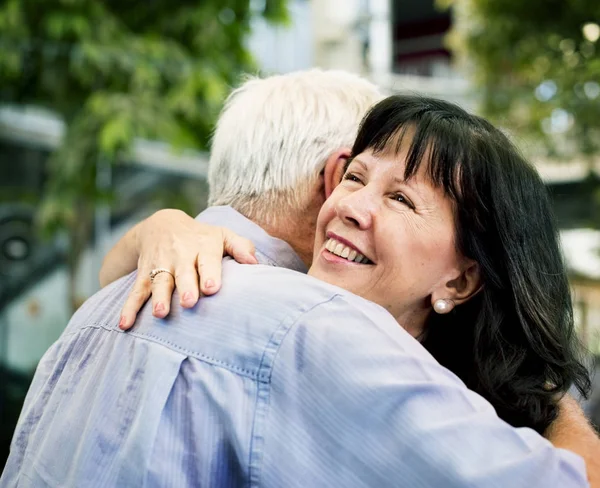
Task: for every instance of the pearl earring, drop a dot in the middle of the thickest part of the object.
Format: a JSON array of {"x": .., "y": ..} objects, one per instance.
[{"x": 442, "y": 305}]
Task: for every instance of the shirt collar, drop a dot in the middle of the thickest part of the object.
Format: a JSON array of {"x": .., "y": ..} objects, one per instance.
[{"x": 269, "y": 249}]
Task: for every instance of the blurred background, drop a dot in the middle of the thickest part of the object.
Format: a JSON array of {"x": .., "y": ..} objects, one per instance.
[{"x": 106, "y": 109}]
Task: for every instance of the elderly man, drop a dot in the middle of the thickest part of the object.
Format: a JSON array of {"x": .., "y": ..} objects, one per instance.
[{"x": 197, "y": 402}]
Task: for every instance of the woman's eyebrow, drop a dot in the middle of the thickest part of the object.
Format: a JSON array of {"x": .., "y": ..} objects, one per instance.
[
  {"x": 362, "y": 163},
  {"x": 399, "y": 179}
]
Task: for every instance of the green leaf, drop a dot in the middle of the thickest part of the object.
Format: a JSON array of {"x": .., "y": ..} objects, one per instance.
[{"x": 115, "y": 135}]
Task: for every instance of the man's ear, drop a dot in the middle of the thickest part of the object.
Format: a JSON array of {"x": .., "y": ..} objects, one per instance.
[{"x": 334, "y": 169}]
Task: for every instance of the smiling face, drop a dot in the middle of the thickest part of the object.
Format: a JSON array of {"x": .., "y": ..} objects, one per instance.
[{"x": 389, "y": 240}]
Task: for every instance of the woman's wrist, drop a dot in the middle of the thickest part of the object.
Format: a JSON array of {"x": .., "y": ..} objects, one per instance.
[{"x": 122, "y": 258}]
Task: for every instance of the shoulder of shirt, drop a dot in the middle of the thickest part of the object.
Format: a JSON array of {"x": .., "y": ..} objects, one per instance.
[
  {"x": 300, "y": 299},
  {"x": 294, "y": 310},
  {"x": 291, "y": 290}
]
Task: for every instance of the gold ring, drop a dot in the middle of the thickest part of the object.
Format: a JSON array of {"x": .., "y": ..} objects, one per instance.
[{"x": 157, "y": 271}]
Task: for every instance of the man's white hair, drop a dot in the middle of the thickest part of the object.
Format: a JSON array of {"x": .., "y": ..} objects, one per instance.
[{"x": 275, "y": 134}]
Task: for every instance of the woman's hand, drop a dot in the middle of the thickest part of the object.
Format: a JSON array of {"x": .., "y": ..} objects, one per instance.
[{"x": 190, "y": 250}]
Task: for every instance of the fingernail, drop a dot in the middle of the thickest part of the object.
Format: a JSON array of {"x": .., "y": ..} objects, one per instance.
[
  {"x": 209, "y": 283},
  {"x": 122, "y": 322},
  {"x": 159, "y": 308},
  {"x": 187, "y": 296}
]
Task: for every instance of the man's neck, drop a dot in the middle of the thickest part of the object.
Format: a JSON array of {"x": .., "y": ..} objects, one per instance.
[{"x": 298, "y": 237}]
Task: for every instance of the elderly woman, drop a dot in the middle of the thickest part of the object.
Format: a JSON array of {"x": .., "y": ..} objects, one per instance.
[{"x": 439, "y": 219}]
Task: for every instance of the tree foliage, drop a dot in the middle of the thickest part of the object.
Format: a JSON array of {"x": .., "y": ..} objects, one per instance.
[
  {"x": 538, "y": 67},
  {"x": 116, "y": 70}
]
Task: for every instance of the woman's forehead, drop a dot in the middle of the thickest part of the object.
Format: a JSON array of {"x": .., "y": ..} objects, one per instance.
[{"x": 409, "y": 161}]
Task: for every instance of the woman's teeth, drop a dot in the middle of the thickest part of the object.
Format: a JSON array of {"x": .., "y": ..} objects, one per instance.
[{"x": 345, "y": 252}]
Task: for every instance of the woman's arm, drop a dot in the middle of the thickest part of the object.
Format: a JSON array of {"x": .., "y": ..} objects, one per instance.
[
  {"x": 190, "y": 250},
  {"x": 572, "y": 431},
  {"x": 121, "y": 260}
]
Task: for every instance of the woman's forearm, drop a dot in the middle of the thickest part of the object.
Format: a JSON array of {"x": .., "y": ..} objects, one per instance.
[
  {"x": 572, "y": 431},
  {"x": 122, "y": 259}
]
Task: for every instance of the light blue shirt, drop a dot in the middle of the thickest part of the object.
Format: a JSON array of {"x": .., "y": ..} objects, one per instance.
[{"x": 279, "y": 380}]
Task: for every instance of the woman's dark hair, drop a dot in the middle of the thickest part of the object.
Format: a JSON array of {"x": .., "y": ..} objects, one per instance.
[{"x": 514, "y": 341}]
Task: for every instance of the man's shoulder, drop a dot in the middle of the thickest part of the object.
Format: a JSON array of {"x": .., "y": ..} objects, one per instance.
[
  {"x": 311, "y": 306},
  {"x": 284, "y": 291},
  {"x": 276, "y": 286}
]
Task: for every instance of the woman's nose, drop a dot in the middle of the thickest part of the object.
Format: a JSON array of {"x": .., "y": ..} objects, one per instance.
[{"x": 356, "y": 209}]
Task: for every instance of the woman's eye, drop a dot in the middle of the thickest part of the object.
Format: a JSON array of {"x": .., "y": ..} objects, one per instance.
[
  {"x": 399, "y": 197},
  {"x": 352, "y": 177}
]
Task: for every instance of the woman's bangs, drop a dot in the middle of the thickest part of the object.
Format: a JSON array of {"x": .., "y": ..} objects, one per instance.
[{"x": 430, "y": 142}]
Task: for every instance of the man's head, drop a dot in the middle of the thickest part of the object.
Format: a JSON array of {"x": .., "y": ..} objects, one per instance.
[{"x": 274, "y": 142}]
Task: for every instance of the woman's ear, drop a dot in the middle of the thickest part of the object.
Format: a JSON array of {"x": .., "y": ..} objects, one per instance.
[
  {"x": 461, "y": 288},
  {"x": 334, "y": 169}
]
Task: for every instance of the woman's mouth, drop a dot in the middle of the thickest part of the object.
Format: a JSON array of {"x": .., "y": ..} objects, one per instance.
[{"x": 346, "y": 252}]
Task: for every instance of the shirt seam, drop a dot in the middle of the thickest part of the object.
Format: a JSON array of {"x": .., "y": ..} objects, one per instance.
[
  {"x": 172, "y": 346},
  {"x": 267, "y": 363},
  {"x": 278, "y": 263},
  {"x": 272, "y": 262}
]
